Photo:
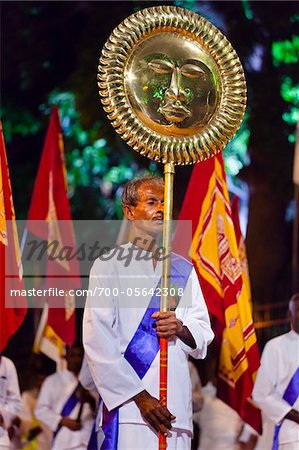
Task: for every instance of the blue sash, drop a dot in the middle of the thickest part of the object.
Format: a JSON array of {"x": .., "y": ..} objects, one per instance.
[
  {"x": 144, "y": 346},
  {"x": 290, "y": 395},
  {"x": 68, "y": 408},
  {"x": 93, "y": 444},
  {"x": 110, "y": 428}
]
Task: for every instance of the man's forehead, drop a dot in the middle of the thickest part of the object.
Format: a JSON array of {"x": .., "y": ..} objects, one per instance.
[{"x": 147, "y": 190}]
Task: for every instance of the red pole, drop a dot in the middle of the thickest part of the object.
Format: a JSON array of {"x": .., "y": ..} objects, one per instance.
[{"x": 163, "y": 385}]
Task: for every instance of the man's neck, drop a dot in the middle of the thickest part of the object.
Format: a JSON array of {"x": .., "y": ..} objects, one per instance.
[{"x": 144, "y": 241}]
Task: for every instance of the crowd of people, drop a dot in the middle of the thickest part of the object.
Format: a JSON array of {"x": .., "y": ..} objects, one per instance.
[
  {"x": 107, "y": 395},
  {"x": 55, "y": 413},
  {"x": 58, "y": 413}
]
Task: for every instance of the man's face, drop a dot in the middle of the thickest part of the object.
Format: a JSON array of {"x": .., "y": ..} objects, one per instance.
[
  {"x": 294, "y": 313},
  {"x": 148, "y": 214},
  {"x": 74, "y": 357}
]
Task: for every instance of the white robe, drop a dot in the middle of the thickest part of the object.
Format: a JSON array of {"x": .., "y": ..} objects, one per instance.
[
  {"x": 55, "y": 391},
  {"x": 280, "y": 360},
  {"x": 28, "y": 420},
  {"x": 220, "y": 425},
  {"x": 110, "y": 322},
  {"x": 10, "y": 398}
]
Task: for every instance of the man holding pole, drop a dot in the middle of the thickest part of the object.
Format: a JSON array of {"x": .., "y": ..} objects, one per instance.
[{"x": 123, "y": 324}]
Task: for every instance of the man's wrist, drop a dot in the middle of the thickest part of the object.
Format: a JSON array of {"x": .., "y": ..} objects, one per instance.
[
  {"x": 180, "y": 328},
  {"x": 185, "y": 335},
  {"x": 141, "y": 396},
  {"x": 61, "y": 422},
  {"x": 64, "y": 421},
  {"x": 293, "y": 415}
]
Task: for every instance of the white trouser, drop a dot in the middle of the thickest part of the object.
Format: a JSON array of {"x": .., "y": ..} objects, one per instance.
[{"x": 141, "y": 437}]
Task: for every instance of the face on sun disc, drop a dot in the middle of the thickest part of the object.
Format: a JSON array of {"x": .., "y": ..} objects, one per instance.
[{"x": 172, "y": 85}]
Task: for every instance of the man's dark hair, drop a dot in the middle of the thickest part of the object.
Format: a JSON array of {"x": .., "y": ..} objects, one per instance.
[{"x": 130, "y": 194}]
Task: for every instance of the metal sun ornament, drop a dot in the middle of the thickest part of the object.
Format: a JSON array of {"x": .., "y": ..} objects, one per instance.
[{"x": 172, "y": 85}]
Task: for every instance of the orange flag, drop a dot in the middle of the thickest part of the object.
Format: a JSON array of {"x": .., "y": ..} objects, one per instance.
[
  {"x": 12, "y": 308},
  {"x": 215, "y": 254},
  {"x": 250, "y": 413},
  {"x": 49, "y": 218}
]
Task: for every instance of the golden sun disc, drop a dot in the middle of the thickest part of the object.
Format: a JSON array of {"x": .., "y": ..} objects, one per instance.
[{"x": 172, "y": 85}]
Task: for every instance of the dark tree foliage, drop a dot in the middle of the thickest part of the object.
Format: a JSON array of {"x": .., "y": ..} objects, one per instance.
[
  {"x": 54, "y": 46},
  {"x": 270, "y": 152}
]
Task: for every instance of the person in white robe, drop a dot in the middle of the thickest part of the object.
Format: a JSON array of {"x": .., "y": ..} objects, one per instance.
[
  {"x": 10, "y": 399},
  {"x": 87, "y": 382},
  {"x": 221, "y": 428},
  {"x": 34, "y": 434},
  {"x": 196, "y": 402},
  {"x": 72, "y": 430},
  {"x": 280, "y": 365},
  {"x": 126, "y": 279}
]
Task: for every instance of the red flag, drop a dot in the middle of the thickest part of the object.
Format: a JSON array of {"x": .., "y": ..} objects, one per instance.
[
  {"x": 50, "y": 204},
  {"x": 215, "y": 254},
  {"x": 12, "y": 309}
]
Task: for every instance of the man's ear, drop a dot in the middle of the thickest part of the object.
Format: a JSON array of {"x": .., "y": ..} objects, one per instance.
[{"x": 129, "y": 212}]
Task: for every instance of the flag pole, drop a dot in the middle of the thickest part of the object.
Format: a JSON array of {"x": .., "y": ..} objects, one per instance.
[{"x": 167, "y": 229}]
